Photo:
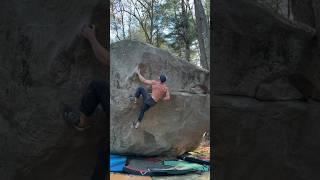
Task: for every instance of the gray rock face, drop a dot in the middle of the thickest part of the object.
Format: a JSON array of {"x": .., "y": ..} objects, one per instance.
[
  {"x": 266, "y": 83},
  {"x": 43, "y": 63},
  {"x": 169, "y": 128},
  {"x": 255, "y": 44},
  {"x": 256, "y": 140},
  {"x": 281, "y": 7},
  {"x": 279, "y": 89},
  {"x": 310, "y": 68},
  {"x": 304, "y": 11}
]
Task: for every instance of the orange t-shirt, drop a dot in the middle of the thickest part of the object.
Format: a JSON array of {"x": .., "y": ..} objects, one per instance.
[{"x": 159, "y": 90}]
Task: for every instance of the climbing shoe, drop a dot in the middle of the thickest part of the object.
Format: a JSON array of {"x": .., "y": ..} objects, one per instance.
[
  {"x": 135, "y": 124},
  {"x": 73, "y": 118},
  {"x": 133, "y": 99}
]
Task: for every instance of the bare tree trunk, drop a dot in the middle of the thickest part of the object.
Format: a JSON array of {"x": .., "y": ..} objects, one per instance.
[
  {"x": 114, "y": 18},
  {"x": 158, "y": 37},
  {"x": 129, "y": 28},
  {"x": 202, "y": 34},
  {"x": 151, "y": 9},
  {"x": 185, "y": 30},
  {"x": 129, "y": 23},
  {"x": 187, "y": 53},
  {"x": 122, "y": 22}
]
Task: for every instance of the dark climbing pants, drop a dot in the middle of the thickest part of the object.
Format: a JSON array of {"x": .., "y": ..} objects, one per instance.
[
  {"x": 102, "y": 166},
  {"x": 148, "y": 102},
  {"x": 96, "y": 94}
]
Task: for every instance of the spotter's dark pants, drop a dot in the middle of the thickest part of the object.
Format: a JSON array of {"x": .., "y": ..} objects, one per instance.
[{"x": 148, "y": 102}]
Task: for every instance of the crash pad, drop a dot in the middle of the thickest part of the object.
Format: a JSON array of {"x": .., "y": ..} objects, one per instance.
[
  {"x": 153, "y": 167},
  {"x": 185, "y": 164},
  {"x": 117, "y": 163},
  {"x": 117, "y": 176},
  {"x": 195, "y": 158}
]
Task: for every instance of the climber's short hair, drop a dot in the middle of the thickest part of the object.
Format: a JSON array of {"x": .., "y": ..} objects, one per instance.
[{"x": 163, "y": 78}]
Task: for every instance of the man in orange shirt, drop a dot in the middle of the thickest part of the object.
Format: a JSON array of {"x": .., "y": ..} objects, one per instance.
[{"x": 159, "y": 91}]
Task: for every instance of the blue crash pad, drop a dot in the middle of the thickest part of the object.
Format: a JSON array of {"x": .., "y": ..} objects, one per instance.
[{"x": 117, "y": 163}]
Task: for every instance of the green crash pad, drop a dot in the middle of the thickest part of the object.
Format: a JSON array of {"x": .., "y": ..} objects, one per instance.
[{"x": 186, "y": 164}]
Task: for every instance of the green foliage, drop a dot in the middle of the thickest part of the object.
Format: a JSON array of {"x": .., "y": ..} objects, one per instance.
[{"x": 175, "y": 37}]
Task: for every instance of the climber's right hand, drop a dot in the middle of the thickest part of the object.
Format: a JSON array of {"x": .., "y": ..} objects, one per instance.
[
  {"x": 88, "y": 32},
  {"x": 138, "y": 71}
]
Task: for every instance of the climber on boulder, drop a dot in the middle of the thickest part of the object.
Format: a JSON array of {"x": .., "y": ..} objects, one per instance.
[
  {"x": 97, "y": 91},
  {"x": 159, "y": 91}
]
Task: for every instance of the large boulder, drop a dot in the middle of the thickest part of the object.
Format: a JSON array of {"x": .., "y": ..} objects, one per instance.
[
  {"x": 279, "y": 89},
  {"x": 305, "y": 11},
  {"x": 171, "y": 127},
  {"x": 44, "y": 64},
  {"x": 253, "y": 44},
  {"x": 310, "y": 14},
  {"x": 256, "y": 139},
  {"x": 265, "y": 82}
]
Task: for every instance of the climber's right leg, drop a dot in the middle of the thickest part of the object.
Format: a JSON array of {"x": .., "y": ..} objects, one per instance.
[
  {"x": 147, "y": 104},
  {"x": 144, "y": 108},
  {"x": 95, "y": 95},
  {"x": 141, "y": 91}
]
